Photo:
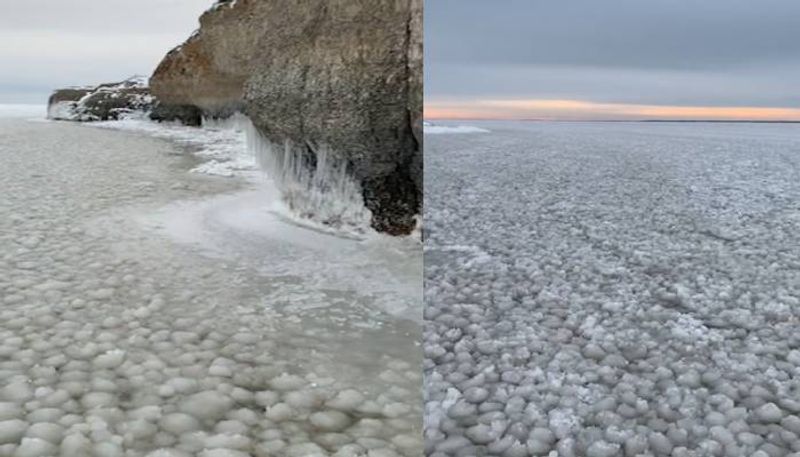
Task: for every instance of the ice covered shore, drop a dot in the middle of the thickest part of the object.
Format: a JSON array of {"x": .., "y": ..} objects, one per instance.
[
  {"x": 604, "y": 290},
  {"x": 121, "y": 337}
]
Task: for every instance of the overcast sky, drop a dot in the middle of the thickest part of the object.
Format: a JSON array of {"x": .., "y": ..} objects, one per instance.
[
  {"x": 612, "y": 59},
  {"x": 45, "y": 44}
]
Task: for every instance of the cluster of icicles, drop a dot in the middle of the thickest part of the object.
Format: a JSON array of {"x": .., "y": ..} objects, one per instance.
[{"x": 314, "y": 184}]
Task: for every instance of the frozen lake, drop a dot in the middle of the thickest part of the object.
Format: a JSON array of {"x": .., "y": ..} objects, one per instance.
[
  {"x": 148, "y": 311},
  {"x": 605, "y": 289}
]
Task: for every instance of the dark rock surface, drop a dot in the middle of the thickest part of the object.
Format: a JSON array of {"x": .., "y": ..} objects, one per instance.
[
  {"x": 100, "y": 103},
  {"x": 68, "y": 95},
  {"x": 186, "y": 114},
  {"x": 343, "y": 74}
]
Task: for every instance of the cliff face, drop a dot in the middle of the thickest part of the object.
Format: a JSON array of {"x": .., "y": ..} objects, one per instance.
[
  {"x": 210, "y": 69},
  {"x": 340, "y": 75}
]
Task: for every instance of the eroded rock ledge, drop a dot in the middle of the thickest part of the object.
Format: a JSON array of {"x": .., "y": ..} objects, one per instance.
[
  {"x": 343, "y": 75},
  {"x": 100, "y": 103},
  {"x": 113, "y": 101}
]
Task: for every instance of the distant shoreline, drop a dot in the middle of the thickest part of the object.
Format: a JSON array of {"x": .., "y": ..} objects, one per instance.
[{"x": 711, "y": 121}]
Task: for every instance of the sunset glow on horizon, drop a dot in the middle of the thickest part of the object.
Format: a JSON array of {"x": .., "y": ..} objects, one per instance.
[{"x": 554, "y": 109}]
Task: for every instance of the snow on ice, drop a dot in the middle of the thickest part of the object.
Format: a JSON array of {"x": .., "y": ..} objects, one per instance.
[
  {"x": 434, "y": 129},
  {"x": 221, "y": 145}
]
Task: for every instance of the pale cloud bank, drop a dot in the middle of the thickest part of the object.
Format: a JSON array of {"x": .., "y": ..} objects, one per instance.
[{"x": 46, "y": 44}]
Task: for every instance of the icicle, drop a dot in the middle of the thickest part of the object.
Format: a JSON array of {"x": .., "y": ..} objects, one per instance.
[{"x": 313, "y": 183}]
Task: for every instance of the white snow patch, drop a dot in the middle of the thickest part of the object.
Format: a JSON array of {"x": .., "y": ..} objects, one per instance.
[
  {"x": 689, "y": 329},
  {"x": 444, "y": 129},
  {"x": 221, "y": 143}
]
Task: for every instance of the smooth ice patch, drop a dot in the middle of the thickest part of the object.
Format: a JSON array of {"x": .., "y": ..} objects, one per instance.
[{"x": 23, "y": 111}]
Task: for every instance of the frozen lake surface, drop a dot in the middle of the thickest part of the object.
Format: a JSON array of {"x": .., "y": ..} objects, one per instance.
[
  {"x": 608, "y": 289},
  {"x": 148, "y": 311}
]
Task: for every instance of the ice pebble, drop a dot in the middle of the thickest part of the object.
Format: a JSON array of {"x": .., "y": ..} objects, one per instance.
[
  {"x": 139, "y": 430},
  {"x": 47, "y": 414},
  {"x": 331, "y": 421},
  {"x": 149, "y": 412},
  {"x": 226, "y": 441},
  {"x": 98, "y": 399},
  {"x": 35, "y": 447},
  {"x": 286, "y": 382},
  {"x": 166, "y": 391},
  {"x": 110, "y": 360},
  {"x": 231, "y": 427},
  {"x": 332, "y": 440},
  {"x": 769, "y": 413},
  {"x": 107, "y": 449},
  {"x": 266, "y": 398},
  {"x": 12, "y": 430},
  {"x": 222, "y": 367},
  {"x": 350, "y": 450},
  {"x": 346, "y": 400},
  {"x": 791, "y": 423},
  {"x": 382, "y": 452},
  {"x": 223, "y": 453},
  {"x": 179, "y": 423},
  {"x": 142, "y": 313},
  {"x": 208, "y": 405},
  {"x": 480, "y": 434},
  {"x": 182, "y": 385},
  {"x": 304, "y": 399},
  {"x": 56, "y": 398},
  {"x": 305, "y": 450},
  {"x": 168, "y": 453},
  {"x": 280, "y": 412},
  {"x": 52, "y": 433},
  {"x": 244, "y": 415},
  {"x": 476, "y": 394},
  {"x": 541, "y": 440},
  {"x": 793, "y": 357},
  {"x": 396, "y": 409},
  {"x": 660, "y": 443},
  {"x": 75, "y": 444},
  {"x": 602, "y": 449},
  {"x": 10, "y": 410},
  {"x": 104, "y": 294},
  {"x": 17, "y": 391}
]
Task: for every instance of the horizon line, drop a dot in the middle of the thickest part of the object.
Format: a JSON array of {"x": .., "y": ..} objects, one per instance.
[
  {"x": 584, "y": 110},
  {"x": 733, "y": 121}
]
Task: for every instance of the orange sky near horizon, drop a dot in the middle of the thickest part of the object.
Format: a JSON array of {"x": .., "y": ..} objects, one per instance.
[{"x": 547, "y": 109}]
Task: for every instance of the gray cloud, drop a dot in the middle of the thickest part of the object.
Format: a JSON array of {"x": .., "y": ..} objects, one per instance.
[
  {"x": 46, "y": 44},
  {"x": 709, "y": 52}
]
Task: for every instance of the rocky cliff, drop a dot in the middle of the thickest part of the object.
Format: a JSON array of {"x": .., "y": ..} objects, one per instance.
[
  {"x": 343, "y": 76},
  {"x": 100, "y": 103}
]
